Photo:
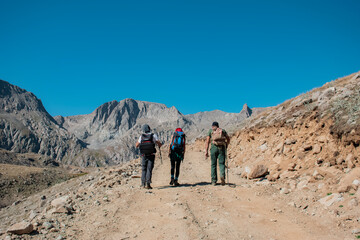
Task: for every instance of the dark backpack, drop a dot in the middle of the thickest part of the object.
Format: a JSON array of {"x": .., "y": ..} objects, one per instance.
[
  {"x": 178, "y": 142},
  {"x": 147, "y": 146}
]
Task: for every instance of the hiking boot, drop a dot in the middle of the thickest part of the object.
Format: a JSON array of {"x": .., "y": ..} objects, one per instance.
[
  {"x": 213, "y": 183},
  {"x": 148, "y": 186},
  {"x": 172, "y": 182},
  {"x": 222, "y": 181},
  {"x": 176, "y": 183}
]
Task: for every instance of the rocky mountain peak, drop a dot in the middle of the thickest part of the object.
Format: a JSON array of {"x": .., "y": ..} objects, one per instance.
[
  {"x": 7, "y": 89},
  {"x": 26, "y": 126},
  {"x": 246, "y": 110},
  {"x": 15, "y": 99},
  {"x": 104, "y": 111}
]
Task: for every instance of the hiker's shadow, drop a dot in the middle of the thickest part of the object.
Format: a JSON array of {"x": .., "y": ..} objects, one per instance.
[
  {"x": 194, "y": 185},
  {"x": 186, "y": 185}
]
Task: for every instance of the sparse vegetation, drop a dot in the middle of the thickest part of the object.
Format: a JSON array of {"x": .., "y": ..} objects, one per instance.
[
  {"x": 79, "y": 174},
  {"x": 346, "y": 110},
  {"x": 307, "y": 101},
  {"x": 308, "y": 105}
]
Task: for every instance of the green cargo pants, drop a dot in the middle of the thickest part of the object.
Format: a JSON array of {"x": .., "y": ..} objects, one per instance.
[{"x": 217, "y": 153}]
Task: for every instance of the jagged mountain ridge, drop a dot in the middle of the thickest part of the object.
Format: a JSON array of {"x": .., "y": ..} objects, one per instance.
[
  {"x": 115, "y": 126},
  {"x": 113, "y": 120},
  {"x": 105, "y": 136},
  {"x": 229, "y": 121}
]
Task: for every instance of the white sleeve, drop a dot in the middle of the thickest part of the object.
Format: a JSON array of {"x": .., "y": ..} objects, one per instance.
[
  {"x": 155, "y": 138},
  {"x": 139, "y": 141}
]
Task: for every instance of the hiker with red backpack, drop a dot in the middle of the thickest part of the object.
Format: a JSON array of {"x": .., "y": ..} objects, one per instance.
[
  {"x": 176, "y": 154},
  {"x": 220, "y": 140},
  {"x": 146, "y": 143}
]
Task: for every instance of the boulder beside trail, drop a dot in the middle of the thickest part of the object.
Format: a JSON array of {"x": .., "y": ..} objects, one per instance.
[
  {"x": 331, "y": 199},
  {"x": 257, "y": 172},
  {"x": 60, "y": 202},
  {"x": 347, "y": 183},
  {"x": 21, "y": 228}
]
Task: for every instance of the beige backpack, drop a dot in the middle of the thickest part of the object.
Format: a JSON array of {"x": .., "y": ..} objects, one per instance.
[{"x": 218, "y": 137}]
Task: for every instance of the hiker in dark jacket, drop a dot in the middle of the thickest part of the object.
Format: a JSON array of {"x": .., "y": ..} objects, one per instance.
[
  {"x": 220, "y": 140},
  {"x": 146, "y": 143},
  {"x": 176, "y": 154}
]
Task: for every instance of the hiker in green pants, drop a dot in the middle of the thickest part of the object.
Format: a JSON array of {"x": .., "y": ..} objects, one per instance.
[{"x": 219, "y": 142}]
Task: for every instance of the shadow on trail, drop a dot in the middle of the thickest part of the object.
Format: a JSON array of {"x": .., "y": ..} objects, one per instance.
[
  {"x": 195, "y": 185},
  {"x": 185, "y": 185}
]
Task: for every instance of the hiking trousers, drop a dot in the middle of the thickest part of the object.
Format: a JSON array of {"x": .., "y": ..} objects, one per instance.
[
  {"x": 217, "y": 153},
  {"x": 175, "y": 159},
  {"x": 147, "y": 166}
]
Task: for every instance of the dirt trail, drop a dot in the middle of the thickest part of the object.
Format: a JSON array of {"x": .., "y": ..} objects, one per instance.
[{"x": 197, "y": 210}]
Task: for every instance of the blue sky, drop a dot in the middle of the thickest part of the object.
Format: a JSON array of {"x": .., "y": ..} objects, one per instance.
[{"x": 195, "y": 55}]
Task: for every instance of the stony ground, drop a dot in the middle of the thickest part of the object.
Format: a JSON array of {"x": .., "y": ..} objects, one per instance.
[
  {"x": 17, "y": 182},
  {"x": 109, "y": 204}
]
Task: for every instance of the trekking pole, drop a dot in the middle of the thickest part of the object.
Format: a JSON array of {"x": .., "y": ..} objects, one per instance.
[
  {"x": 227, "y": 166},
  {"x": 160, "y": 156}
]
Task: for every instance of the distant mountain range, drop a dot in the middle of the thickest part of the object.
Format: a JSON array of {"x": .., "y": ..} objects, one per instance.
[{"x": 104, "y": 137}]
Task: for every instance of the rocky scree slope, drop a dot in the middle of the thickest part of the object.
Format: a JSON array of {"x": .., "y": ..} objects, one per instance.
[{"x": 316, "y": 130}]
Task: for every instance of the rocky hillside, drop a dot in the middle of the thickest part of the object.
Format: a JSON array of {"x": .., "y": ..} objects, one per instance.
[
  {"x": 26, "y": 159},
  {"x": 14, "y": 187},
  {"x": 309, "y": 142},
  {"x": 26, "y": 127}
]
